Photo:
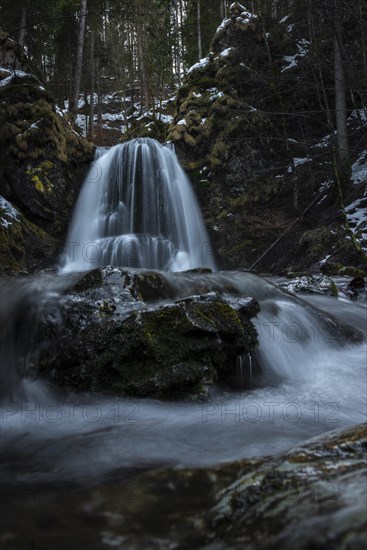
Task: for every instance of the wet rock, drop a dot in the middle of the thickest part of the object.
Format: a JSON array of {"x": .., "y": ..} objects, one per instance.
[
  {"x": 356, "y": 290},
  {"x": 298, "y": 500},
  {"x": 311, "y": 284},
  {"x": 170, "y": 351},
  {"x": 120, "y": 333}
]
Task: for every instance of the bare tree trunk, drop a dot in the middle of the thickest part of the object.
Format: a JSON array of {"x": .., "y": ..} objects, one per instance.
[
  {"x": 178, "y": 43},
  {"x": 200, "y": 47},
  {"x": 23, "y": 22},
  {"x": 91, "y": 100},
  {"x": 223, "y": 9},
  {"x": 363, "y": 43},
  {"x": 340, "y": 108},
  {"x": 142, "y": 59},
  {"x": 181, "y": 37},
  {"x": 73, "y": 107}
]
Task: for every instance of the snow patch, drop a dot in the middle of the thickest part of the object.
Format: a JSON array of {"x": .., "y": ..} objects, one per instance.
[
  {"x": 180, "y": 122},
  {"x": 113, "y": 116},
  {"x": 16, "y": 73},
  {"x": 236, "y": 5},
  {"x": 359, "y": 168},
  {"x": 226, "y": 52},
  {"x": 357, "y": 218},
  {"x": 9, "y": 211},
  {"x": 247, "y": 16},
  {"x": 214, "y": 93},
  {"x": 323, "y": 144},
  {"x": 224, "y": 24},
  {"x": 298, "y": 161},
  {"x": 199, "y": 65},
  {"x": 292, "y": 60},
  {"x": 360, "y": 115},
  {"x": 167, "y": 119}
]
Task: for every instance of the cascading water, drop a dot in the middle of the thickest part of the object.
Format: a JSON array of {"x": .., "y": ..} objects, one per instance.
[
  {"x": 137, "y": 209},
  {"x": 313, "y": 382}
]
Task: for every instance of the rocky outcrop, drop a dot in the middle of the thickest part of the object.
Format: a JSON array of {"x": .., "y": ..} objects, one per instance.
[
  {"x": 263, "y": 170},
  {"x": 112, "y": 336},
  {"x": 42, "y": 165}
]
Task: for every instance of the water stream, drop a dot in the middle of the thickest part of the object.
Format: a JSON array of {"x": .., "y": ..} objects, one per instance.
[
  {"x": 314, "y": 382},
  {"x": 137, "y": 209}
]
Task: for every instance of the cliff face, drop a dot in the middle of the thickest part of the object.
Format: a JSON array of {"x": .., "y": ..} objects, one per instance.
[
  {"x": 41, "y": 164},
  {"x": 249, "y": 130}
]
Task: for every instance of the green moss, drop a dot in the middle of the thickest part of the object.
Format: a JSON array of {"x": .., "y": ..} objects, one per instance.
[
  {"x": 351, "y": 271},
  {"x": 317, "y": 242}
]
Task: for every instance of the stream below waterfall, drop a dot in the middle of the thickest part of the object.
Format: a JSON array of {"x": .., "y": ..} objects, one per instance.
[{"x": 313, "y": 384}]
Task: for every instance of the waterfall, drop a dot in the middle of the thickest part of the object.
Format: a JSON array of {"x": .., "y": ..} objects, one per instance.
[{"x": 137, "y": 209}]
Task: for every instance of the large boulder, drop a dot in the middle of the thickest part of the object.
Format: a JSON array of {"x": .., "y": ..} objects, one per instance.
[{"x": 121, "y": 332}]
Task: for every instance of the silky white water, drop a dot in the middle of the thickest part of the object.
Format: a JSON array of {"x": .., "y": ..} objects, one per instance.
[
  {"x": 137, "y": 209},
  {"x": 314, "y": 381}
]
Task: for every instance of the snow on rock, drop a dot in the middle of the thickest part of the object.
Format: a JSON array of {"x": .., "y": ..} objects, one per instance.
[
  {"x": 199, "y": 65},
  {"x": 360, "y": 115},
  {"x": 247, "y": 16},
  {"x": 357, "y": 219},
  {"x": 7, "y": 209},
  {"x": 359, "y": 168},
  {"x": 214, "y": 93},
  {"x": 298, "y": 161},
  {"x": 182, "y": 121},
  {"x": 59, "y": 111},
  {"x": 324, "y": 143},
  {"x": 284, "y": 19},
  {"x": 113, "y": 116},
  {"x": 237, "y": 5},
  {"x": 81, "y": 122},
  {"x": 226, "y": 52},
  {"x": 167, "y": 119},
  {"x": 224, "y": 24},
  {"x": 292, "y": 60},
  {"x": 16, "y": 73}
]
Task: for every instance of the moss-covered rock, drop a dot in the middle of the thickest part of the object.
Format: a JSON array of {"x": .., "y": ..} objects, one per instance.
[
  {"x": 19, "y": 236},
  {"x": 171, "y": 352},
  {"x": 42, "y": 159},
  {"x": 130, "y": 333}
]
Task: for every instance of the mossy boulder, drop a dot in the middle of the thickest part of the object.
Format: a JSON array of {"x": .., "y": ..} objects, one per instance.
[
  {"x": 19, "y": 236},
  {"x": 175, "y": 351},
  {"x": 130, "y": 333}
]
